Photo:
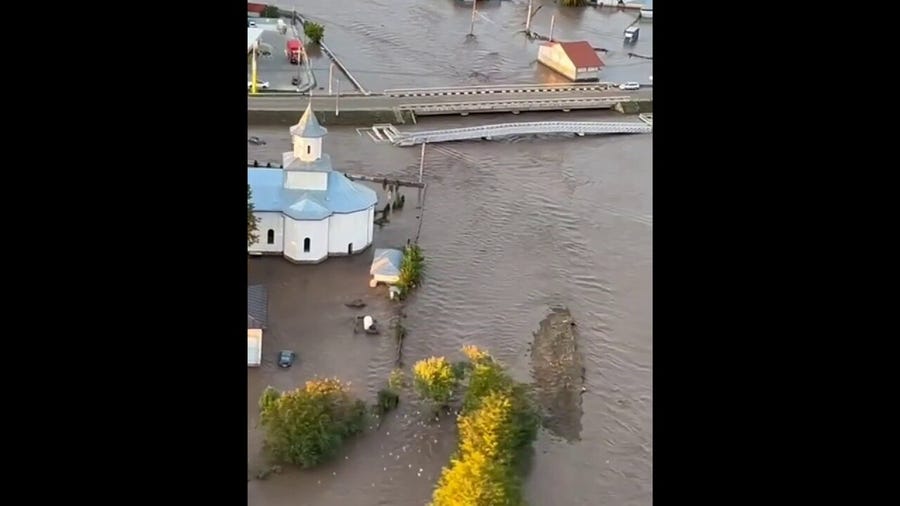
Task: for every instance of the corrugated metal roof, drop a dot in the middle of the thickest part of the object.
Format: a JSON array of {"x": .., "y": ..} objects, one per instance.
[
  {"x": 308, "y": 126},
  {"x": 342, "y": 195},
  {"x": 581, "y": 53},
  {"x": 386, "y": 262},
  {"x": 257, "y": 307},
  {"x": 307, "y": 209}
]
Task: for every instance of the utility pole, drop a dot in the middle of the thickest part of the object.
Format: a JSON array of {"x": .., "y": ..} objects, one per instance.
[
  {"x": 421, "y": 168},
  {"x": 474, "y": 13},
  {"x": 528, "y": 19},
  {"x": 330, "y": 76},
  {"x": 552, "y": 21},
  {"x": 253, "y": 68},
  {"x": 337, "y": 97}
]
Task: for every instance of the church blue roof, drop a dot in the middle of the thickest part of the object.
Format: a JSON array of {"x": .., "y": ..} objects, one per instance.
[
  {"x": 342, "y": 196},
  {"x": 307, "y": 209}
]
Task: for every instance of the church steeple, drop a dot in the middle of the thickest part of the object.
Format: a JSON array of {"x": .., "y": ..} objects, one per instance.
[{"x": 307, "y": 136}]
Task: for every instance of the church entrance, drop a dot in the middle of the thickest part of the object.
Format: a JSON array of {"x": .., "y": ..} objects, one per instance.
[{"x": 350, "y": 249}]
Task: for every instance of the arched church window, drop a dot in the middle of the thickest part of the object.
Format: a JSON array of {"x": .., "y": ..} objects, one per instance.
[
  {"x": 306, "y": 245},
  {"x": 270, "y": 236},
  {"x": 308, "y": 149}
]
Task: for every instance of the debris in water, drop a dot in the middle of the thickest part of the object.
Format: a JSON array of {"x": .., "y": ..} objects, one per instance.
[
  {"x": 559, "y": 373},
  {"x": 355, "y": 304}
]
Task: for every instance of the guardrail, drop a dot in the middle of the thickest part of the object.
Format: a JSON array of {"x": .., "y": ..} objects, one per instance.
[
  {"x": 515, "y": 105},
  {"x": 491, "y": 89},
  {"x": 524, "y": 128}
]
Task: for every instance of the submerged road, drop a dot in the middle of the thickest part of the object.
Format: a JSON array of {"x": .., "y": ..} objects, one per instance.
[{"x": 357, "y": 102}]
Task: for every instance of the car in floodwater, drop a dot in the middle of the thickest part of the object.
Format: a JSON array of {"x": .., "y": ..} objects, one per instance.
[
  {"x": 629, "y": 86},
  {"x": 286, "y": 358},
  {"x": 256, "y": 141},
  {"x": 259, "y": 84}
]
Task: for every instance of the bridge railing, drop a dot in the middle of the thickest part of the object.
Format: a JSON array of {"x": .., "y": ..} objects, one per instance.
[
  {"x": 515, "y": 104},
  {"x": 525, "y": 128},
  {"x": 499, "y": 88},
  {"x": 530, "y": 125}
]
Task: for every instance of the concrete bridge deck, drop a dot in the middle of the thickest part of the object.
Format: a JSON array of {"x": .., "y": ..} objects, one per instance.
[
  {"x": 399, "y": 138},
  {"x": 447, "y": 102}
]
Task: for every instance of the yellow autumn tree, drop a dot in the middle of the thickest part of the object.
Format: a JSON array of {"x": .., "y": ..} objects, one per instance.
[
  {"x": 476, "y": 480},
  {"x": 434, "y": 379},
  {"x": 498, "y": 421}
]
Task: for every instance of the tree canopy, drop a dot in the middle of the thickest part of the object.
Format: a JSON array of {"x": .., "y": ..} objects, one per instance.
[
  {"x": 306, "y": 426},
  {"x": 251, "y": 220},
  {"x": 314, "y": 31},
  {"x": 434, "y": 379},
  {"x": 498, "y": 422}
]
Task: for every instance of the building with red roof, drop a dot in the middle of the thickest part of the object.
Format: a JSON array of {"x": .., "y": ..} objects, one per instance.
[
  {"x": 255, "y": 10},
  {"x": 576, "y": 60}
]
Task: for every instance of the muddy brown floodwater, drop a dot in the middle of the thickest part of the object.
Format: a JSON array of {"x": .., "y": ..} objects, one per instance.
[
  {"x": 420, "y": 43},
  {"x": 512, "y": 228}
]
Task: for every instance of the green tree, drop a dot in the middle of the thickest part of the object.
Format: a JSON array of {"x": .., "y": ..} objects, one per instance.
[
  {"x": 411, "y": 266},
  {"x": 271, "y": 11},
  {"x": 314, "y": 31},
  {"x": 251, "y": 220},
  {"x": 573, "y": 3},
  {"x": 434, "y": 379},
  {"x": 306, "y": 426}
]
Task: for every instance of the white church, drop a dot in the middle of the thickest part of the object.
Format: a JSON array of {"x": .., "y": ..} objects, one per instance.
[{"x": 308, "y": 211}]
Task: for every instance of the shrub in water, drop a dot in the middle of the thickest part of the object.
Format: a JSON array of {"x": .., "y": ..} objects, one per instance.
[
  {"x": 306, "y": 426},
  {"x": 434, "y": 379}
]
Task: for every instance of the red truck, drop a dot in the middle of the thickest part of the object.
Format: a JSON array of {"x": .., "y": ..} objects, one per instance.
[{"x": 292, "y": 51}]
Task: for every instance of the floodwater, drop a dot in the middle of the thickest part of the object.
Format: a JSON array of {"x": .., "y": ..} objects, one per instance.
[
  {"x": 510, "y": 229},
  {"x": 415, "y": 43}
]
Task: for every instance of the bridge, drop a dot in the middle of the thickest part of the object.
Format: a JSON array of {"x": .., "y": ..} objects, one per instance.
[
  {"x": 488, "y": 132},
  {"x": 460, "y": 100}
]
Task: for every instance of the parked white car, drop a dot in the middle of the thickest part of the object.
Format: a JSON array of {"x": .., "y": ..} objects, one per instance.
[
  {"x": 630, "y": 86},
  {"x": 259, "y": 84}
]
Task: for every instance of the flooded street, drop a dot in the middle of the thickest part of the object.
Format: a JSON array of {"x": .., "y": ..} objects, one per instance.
[
  {"x": 414, "y": 43},
  {"x": 511, "y": 228}
]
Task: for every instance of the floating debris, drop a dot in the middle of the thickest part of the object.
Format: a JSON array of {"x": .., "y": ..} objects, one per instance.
[{"x": 355, "y": 304}]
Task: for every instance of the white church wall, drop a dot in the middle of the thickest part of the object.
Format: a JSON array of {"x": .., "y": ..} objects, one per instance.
[
  {"x": 269, "y": 227},
  {"x": 295, "y": 236},
  {"x": 306, "y": 180},
  {"x": 347, "y": 229},
  {"x": 307, "y": 149},
  {"x": 371, "y": 232}
]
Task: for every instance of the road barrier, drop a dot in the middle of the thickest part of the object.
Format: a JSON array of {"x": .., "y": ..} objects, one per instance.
[{"x": 498, "y": 89}]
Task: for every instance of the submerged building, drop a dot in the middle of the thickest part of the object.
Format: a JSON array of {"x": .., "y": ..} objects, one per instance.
[
  {"x": 307, "y": 211},
  {"x": 576, "y": 60}
]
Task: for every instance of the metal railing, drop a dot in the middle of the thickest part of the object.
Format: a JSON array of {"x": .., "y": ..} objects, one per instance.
[
  {"x": 501, "y": 88},
  {"x": 515, "y": 105},
  {"x": 524, "y": 128}
]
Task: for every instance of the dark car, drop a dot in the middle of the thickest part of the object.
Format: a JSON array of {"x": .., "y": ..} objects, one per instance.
[{"x": 286, "y": 358}]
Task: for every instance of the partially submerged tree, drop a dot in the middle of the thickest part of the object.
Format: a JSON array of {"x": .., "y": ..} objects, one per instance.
[
  {"x": 314, "y": 31},
  {"x": 497, "y": 423},
  {"x": 306, "y": 426},
  {"x": 434, "y": 379},
  {"x": 411, "y": 266},
  {"x": 251, "y": 220}
]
